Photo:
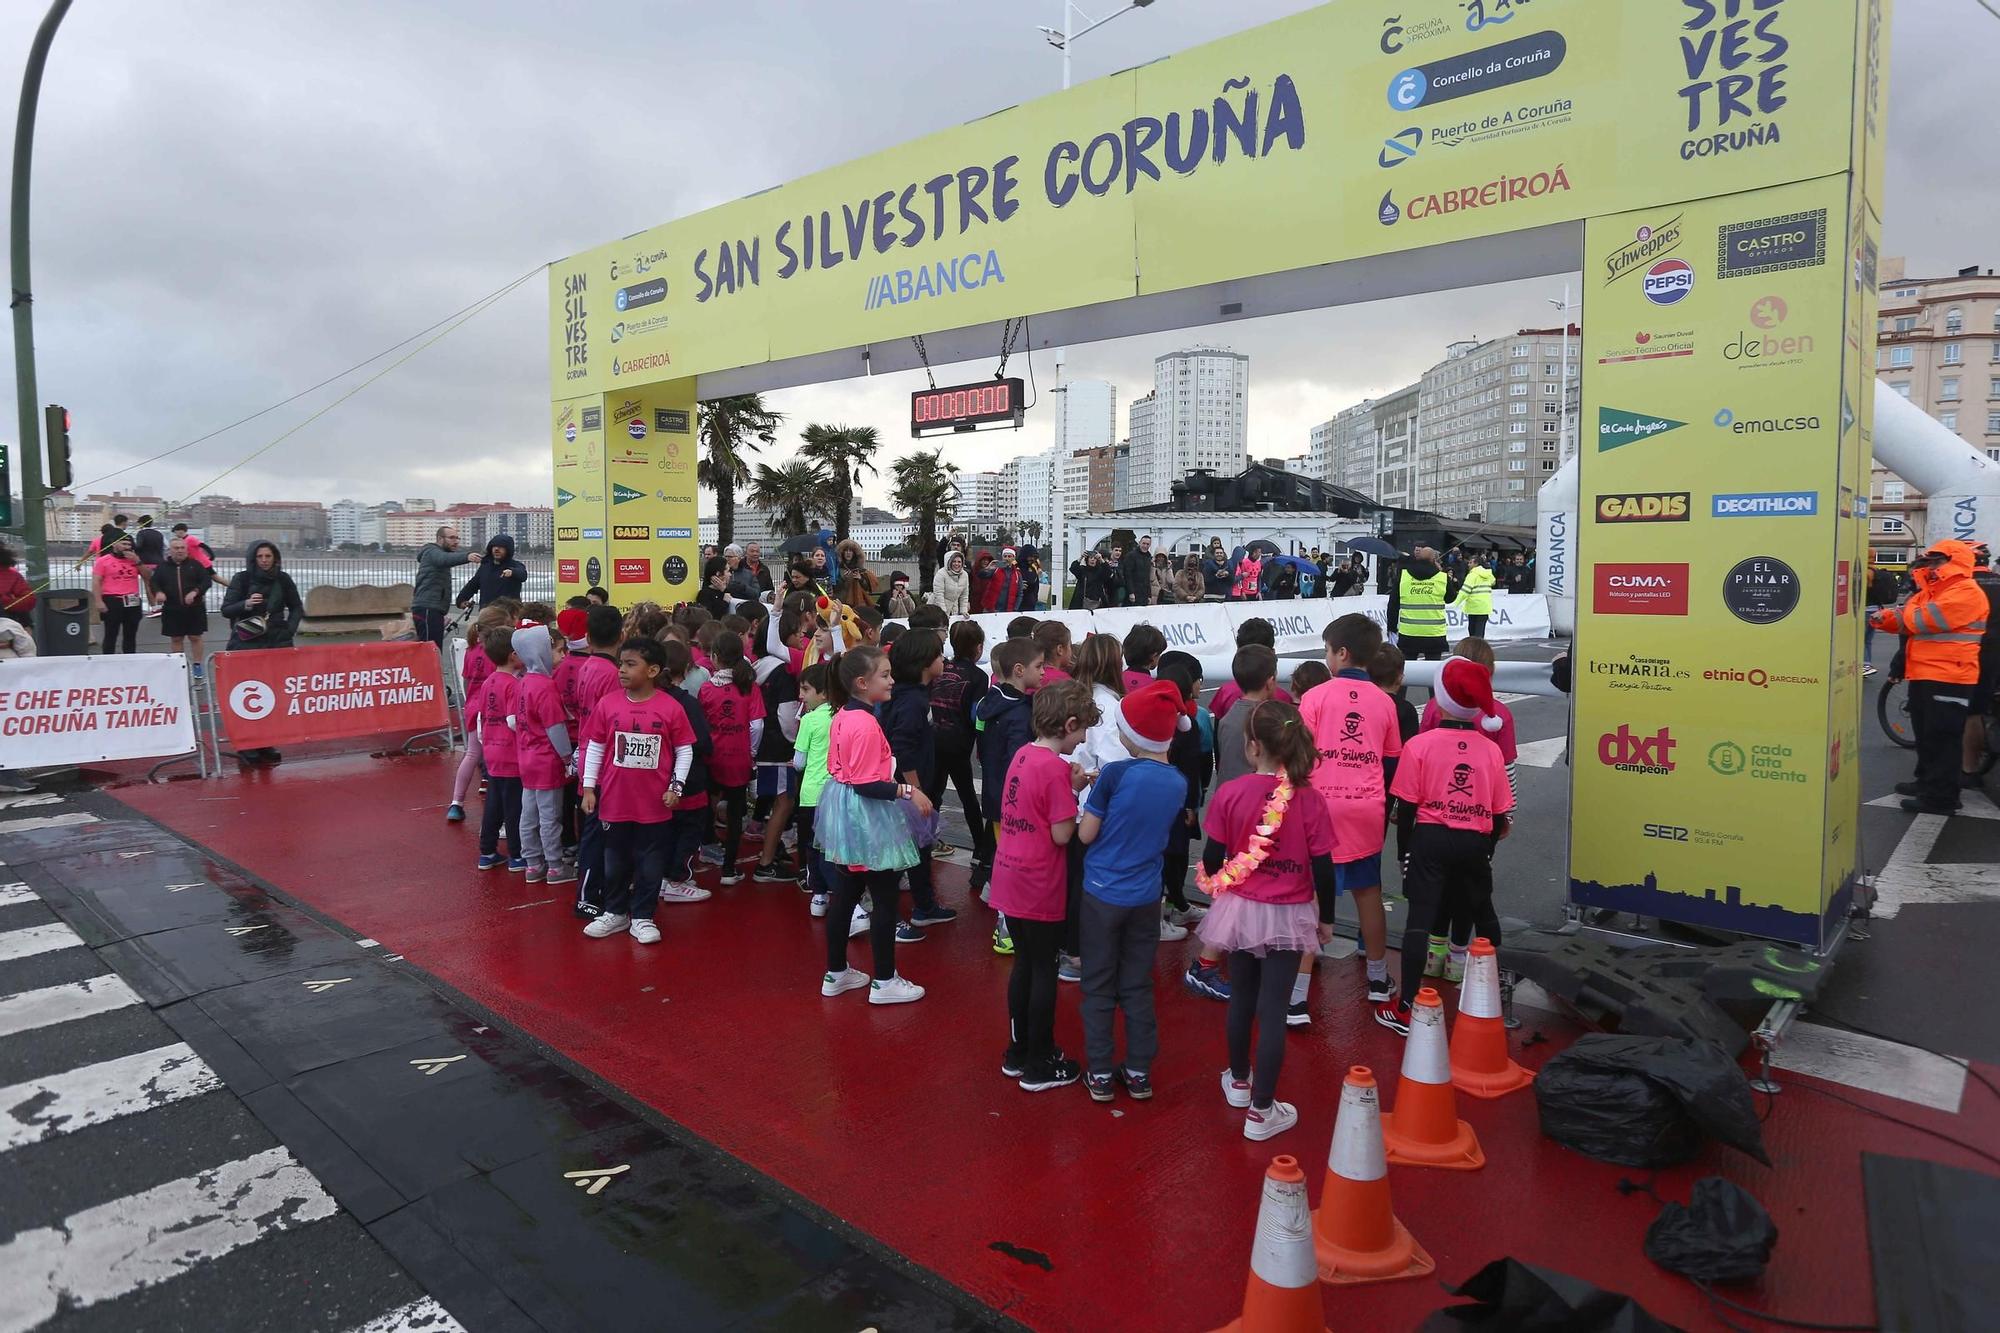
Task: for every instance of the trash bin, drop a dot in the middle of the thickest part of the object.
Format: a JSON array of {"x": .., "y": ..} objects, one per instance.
[{"x": 63, "y": 623}]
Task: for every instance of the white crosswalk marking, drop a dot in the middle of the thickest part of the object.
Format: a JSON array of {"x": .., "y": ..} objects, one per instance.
[
  {"x": 1542, "y": 754},
  {"x": 424, "y": 1316},
  {"x": 45, "y": 1108},
  {"x": 1911, "y": 877},
  {"x": 29, "y": 798},
  {"x": 62, "y": 1004},
  {"x": 122, "y": 1246},
  {"x": 46, "y": 821},
  {"x": 37, "y": 939}
]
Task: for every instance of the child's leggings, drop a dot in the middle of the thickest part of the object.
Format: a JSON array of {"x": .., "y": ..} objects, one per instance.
[
  {"x": 845, "y": 886},
  {"x": 1260, "y": 993},
  {"x": 468, "y": 769},
  {"x": 1447, "y": 866}
]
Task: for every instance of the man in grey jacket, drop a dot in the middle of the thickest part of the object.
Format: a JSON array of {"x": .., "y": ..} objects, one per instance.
[{"x": 430, "y": 597}]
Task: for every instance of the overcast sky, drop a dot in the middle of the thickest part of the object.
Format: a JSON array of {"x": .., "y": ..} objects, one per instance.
[{"x": 234, "y": 201}]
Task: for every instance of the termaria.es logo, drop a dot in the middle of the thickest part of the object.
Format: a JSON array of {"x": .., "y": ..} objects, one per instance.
[
  {"x": 1617, "y": 427},
  {"x": 1640, "y": 590}
]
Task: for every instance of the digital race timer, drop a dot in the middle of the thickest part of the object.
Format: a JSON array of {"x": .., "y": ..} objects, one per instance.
[{"x": 966, "y": 407}]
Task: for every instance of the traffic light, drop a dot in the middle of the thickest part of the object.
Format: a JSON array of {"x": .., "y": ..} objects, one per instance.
[{"x": 55, "y": 424}]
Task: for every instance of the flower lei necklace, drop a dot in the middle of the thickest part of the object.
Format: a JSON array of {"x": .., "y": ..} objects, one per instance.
[{"x": 1241, "y": 866}]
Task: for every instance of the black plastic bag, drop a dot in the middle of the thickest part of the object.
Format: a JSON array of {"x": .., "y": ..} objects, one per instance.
[
  {"x": 1722, "y": 1234},
  {"x": 1521, "y": 1298},
  {"x": 1646, "y": 1101}
]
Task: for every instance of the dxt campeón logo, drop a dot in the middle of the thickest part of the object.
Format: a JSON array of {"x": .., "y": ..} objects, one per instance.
[{"x": 1617, "y": 427}]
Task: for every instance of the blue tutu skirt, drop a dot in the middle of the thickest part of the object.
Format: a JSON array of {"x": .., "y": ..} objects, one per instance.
[{"x": 853, "y": 830}]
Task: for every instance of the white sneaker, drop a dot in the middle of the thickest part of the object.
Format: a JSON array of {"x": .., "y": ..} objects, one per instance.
[
  {"x": 833, "y": 983},
  {"x": 1235, "y": 1091},
  {"x": 1191, "y": 917},
  {"x": 858, "y": 924},
  {"x": 819, "y": 904},
  {"x": 686, "y": 891},
  {"x": 1273, "y": 1120},
  {"x": 894, "y": 991},
  {"x": 608, "y": 924},
  {"x": 645, "y": 932},
  {"x": 1171, "y": 933}
]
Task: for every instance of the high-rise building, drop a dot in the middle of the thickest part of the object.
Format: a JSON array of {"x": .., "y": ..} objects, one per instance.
[
  {"x": 978, "y": 500},
  {"x": 1143, "y": 447},
  {"x": 1939, "y": 346},
  {"x": 1086, "y": 415},
  {"x": 1491, "y": 421},
  {"x": 1200, "y": 418}
]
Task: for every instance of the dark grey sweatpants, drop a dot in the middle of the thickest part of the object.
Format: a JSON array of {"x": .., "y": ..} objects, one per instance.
[{"x": 1119, "y": 948}]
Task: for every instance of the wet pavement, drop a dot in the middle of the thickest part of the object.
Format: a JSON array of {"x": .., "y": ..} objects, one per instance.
[
  {"x": 228, "y": 1114},
  {"x": 1051, "y": 1209}
]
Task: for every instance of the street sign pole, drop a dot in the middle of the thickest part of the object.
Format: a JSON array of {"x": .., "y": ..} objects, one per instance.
[{"x": 34, "y": 508}]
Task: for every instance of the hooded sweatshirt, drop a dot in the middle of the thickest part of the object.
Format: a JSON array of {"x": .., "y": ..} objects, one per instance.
[
  {"x": 1944, "y": 619},
  {"x": 498, "y": 575},
  {"x": 1006, "y": 722},
  {"x": 541, "y": 727}
]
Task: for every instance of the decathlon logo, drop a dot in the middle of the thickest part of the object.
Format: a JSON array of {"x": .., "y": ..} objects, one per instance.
[{"x": 1766, "y": 504}]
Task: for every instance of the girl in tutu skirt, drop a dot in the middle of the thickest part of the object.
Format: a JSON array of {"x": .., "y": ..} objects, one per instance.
[
  {"x": 1269, "y": 856},
  {"x": 863, "y": 831}
]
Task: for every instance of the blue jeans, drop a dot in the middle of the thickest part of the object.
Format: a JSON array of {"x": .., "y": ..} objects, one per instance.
[{"x": 1868, "y": 643}]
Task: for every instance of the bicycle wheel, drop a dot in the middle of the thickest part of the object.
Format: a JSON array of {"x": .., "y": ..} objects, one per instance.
[{"x": 1892, "y": 707}]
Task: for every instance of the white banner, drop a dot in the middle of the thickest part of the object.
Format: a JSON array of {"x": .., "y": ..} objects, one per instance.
[
  {"x": 1201, "y": 628},
  {"x": 1298, "y": 623},
  {"x": 81, "y": 710}
]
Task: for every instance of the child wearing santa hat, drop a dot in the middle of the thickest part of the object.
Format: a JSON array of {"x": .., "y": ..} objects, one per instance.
[
  {"x": 1452, "y": 785},
  {"x": 1124, "y": 826}
]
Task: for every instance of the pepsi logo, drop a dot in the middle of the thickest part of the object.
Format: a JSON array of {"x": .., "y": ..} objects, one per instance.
[{"x": 1669, "y": 281}]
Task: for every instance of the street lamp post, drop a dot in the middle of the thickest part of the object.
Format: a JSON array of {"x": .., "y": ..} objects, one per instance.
[
  {"x": 1061, "y": 39},
  {"x": 1562, "y": 409},
  {"x": 34, "y": 514}
]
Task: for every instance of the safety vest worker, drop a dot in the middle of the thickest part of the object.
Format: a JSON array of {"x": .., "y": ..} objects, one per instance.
[
  {"x": 1477, "y": 591},
  {"x": 1422, "y": 589},
  {"x": 1943, "y": 623}
]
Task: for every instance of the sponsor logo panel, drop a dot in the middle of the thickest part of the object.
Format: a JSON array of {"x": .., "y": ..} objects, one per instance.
[
  {"x": 1771, "y": 245},
  {"x": 1617, "y": 427},
  {"x": 1765, "y": 504},
  {"x": 1628, "y": 751},
  {"x": 1761, "y": 590},
  {"x": 631, "y": 532},
  {"x": 1644, "y": 507},
  {"x": 1640, "y": 590},
  {"x": 631, "y": 571}
]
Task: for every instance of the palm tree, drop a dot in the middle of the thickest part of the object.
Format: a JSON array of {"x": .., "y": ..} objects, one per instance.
[
  {"x": 795, "y": 492},
  {"x": 846, "y": 452},
  {"x": 924, "y": 489},
  {"x": 729, "y": 429}
]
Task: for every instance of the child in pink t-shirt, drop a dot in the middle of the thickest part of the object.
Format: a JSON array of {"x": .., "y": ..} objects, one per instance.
[
  {"x": 863, "y": 831},
  {"x": 1036, "y": 812},
  {"x": 1454, "y": 806},
  {"x": 493, "y": 721},
  {"x": 473, "y": 673},
  {"x": 1269, "y": 868},
  {"x": 1357, "y": 738},
  {"x": 638, "y": 754},
  {"x": 542, "y": 749},
  {"x": 734, "y": 707},
  {"x": 1143, "y": 645}
]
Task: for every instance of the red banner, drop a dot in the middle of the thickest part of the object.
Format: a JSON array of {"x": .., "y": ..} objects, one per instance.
[{"x": 315, "y": 694}]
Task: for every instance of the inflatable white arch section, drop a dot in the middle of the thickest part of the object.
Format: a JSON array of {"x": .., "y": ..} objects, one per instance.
[{"x": 1556, "y": 524}]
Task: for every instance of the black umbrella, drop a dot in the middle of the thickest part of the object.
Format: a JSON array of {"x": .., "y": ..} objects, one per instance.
[
  {"x": 1263, "y": 544},
  {"x": 798, "y": 545},
  {"x": 1372, "y": 546}
]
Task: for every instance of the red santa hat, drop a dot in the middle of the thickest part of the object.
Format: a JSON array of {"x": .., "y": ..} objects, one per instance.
[
  {"x": 1006, "y": 550},
  {"x": 1465, "y": 691},
  {"x": 1149, "y": 717},
  {"x": 573, "y": 623}
]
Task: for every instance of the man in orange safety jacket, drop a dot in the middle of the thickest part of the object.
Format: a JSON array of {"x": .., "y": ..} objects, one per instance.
[{"x": 1942, "y": 624}]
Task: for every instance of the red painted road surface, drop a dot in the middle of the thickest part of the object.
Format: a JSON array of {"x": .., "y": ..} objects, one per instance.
[{"x": 898, "y": 1120}]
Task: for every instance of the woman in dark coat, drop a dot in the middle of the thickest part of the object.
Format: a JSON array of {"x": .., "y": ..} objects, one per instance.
[{"x": 263, "y": 608}]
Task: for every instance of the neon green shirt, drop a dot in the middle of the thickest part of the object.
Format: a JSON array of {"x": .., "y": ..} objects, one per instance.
[{"x": 814, "y": 729}]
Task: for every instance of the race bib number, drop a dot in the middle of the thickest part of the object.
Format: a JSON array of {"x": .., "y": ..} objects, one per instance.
[{"x": 637, "y": 750}]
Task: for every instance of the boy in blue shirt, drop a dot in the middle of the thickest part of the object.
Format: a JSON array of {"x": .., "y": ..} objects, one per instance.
[{"x": 1124, "y": 825}]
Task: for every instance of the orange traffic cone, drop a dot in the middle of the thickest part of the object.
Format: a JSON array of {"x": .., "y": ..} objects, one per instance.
[
  {"x": 1480, "y": 1064},
  {"x": 1355, "y": 1235},
  {"x": 1424, "y": 1129},
  {"x": 1283, "y": 1293}
]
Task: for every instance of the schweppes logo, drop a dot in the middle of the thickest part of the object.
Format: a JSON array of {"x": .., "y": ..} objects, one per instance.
[
  {"x": 1643, "y": 507},
  {"x": 627, "y": 410},
  {"x": 620, "y": 494},
  {"x": 1647, "y": 245},
  {"x": 563, "y": 497},
  {"x": 565, "y": 534},
  {"x": 631, "y": 532}
]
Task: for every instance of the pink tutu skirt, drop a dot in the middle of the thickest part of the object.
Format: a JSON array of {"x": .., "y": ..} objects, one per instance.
[{"x": 1237, "y": 923}]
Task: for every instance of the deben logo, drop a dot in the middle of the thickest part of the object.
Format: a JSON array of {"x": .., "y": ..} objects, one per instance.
[
  {"x": 1640, "y": 590},
  {"x": 1617, "y": 427},
  {"x": 1628, "y": 752},
  {"x": 1644, "y": 507}
]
